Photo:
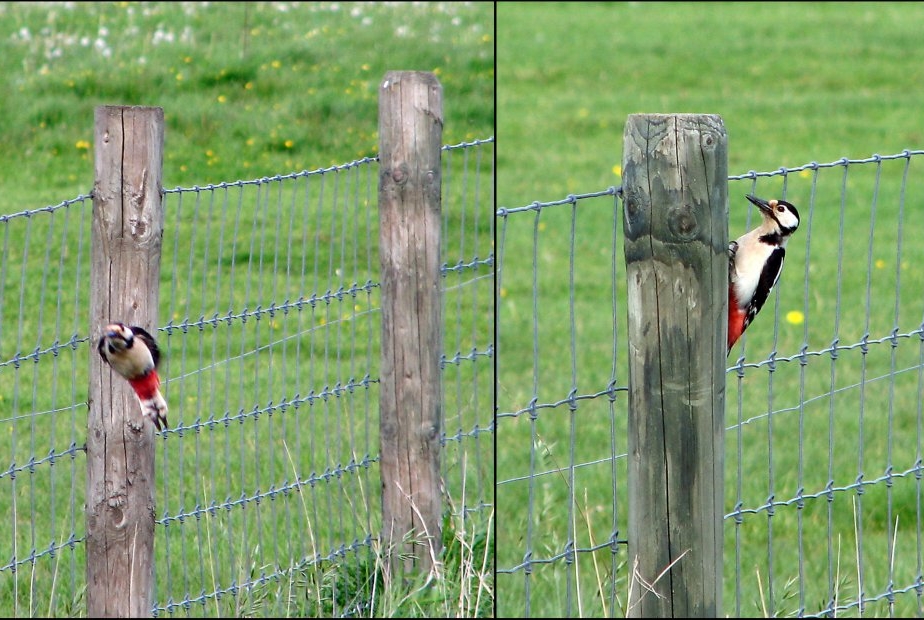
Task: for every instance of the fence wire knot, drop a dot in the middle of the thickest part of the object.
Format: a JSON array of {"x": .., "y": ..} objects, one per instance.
[{"x": 531, "y": 408}]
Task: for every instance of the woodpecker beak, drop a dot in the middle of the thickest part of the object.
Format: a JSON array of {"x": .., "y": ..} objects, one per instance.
[{"x": 760, "y": 203}]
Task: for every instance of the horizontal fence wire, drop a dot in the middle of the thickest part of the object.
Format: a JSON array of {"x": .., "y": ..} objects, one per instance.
[
  {"x": 824, "y": 401},
  {"x": 270, "y": 325}
]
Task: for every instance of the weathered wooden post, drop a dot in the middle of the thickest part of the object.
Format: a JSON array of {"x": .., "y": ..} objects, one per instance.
[
  {"x": 676, "y": 227},
  {"x": 128, "y": 224},
  {"x": 410, "y": 139}
]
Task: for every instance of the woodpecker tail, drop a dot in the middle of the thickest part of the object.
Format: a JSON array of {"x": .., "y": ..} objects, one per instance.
[
  {"x": 737, "y": 320},
  {"x": 153, "y": 405},
  {"x": 155, "y": 409}
]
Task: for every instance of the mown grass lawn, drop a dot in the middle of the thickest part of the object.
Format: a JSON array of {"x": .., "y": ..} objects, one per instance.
[
  {"x": 267, "y": 490},
  {"x": 793, "y": 84}
]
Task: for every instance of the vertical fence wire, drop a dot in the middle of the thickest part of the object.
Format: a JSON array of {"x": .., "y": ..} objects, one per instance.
[
  {"x": 570, "y": 544},
  {"x": 613, "y": 393},
  {"x": 808, "y": 219},
  {"x": 919, "y": 462},
  {"x": 533, "y": 415}
]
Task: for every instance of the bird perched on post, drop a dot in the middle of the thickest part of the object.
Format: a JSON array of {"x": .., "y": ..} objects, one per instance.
[
  {"x": 132, "y": 352},
  {"x": 755, "y": 261}
]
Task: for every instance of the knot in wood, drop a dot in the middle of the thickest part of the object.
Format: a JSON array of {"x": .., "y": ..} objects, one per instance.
[
  {"x": 631, "y": 204},
  {"x": 682, "y": 223},
  {"x": 399, "y": 174},
  {"x": 634, "y": 204},
  {"x": 138, "y": 227},
  {"x": 637, "y": 213}
]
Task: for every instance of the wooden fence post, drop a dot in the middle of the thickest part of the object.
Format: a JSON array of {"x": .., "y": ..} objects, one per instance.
[
  {"x": 675, "y": 187},
  {"x": 410, "y": 139},
  {"x": 127, "y": 234}
]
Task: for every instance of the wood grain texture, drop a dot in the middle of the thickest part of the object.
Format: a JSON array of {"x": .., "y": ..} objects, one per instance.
[
  {"x": 410, "y": 141},
  {"x": 127, "y": 235},
  {"x": 676, "y": 229}
]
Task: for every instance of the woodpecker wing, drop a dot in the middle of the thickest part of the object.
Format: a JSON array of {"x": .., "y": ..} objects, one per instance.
[
  {"x": 768, "y": 278},
  {"x": 148, "y": 341}
]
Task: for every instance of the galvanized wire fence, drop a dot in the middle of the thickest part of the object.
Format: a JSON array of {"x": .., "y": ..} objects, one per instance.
[
  {"x": 267, "y": 477},
  {"x": 825, "y": 430}
]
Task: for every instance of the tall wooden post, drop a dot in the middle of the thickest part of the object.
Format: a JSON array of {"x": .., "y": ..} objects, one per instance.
[
  {"x": 127, "y": 233},
  {"x": 675, "y": 190},
  {"x": 410, "y": 139}
]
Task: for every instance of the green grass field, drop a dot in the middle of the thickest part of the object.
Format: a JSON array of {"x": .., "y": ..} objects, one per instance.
[
  {"x": 794, "y": 83},
  {"x": 268, "y": 487}
]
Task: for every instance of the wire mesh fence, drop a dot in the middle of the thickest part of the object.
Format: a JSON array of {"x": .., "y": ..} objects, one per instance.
[
  {"x": 270, "y": 326},
  {"x": 824, "y": 404}
]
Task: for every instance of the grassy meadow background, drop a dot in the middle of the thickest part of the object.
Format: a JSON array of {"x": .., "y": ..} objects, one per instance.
[
  {"x": 267, "y": 488},
  {"x": 794, "y": 84}
]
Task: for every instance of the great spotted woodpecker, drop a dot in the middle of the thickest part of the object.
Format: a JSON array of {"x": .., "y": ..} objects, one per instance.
[
  {"x": 132, "y": 352},
  {"x": 755, "y": 261}
]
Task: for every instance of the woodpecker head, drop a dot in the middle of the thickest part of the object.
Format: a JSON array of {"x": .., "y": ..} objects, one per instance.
[
  {"x": 117, "y": 337},
  {"x": 129, "y": 349},
  {"x": 780, "y": 220}
]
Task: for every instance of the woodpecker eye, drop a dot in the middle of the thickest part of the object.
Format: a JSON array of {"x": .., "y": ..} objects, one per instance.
[{"x": 780, "y": 208}]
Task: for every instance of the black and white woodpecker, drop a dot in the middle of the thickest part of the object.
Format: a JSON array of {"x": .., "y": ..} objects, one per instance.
[
  {"x": 755, "y": 261},
  {"x": 132, "y": 352}
]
